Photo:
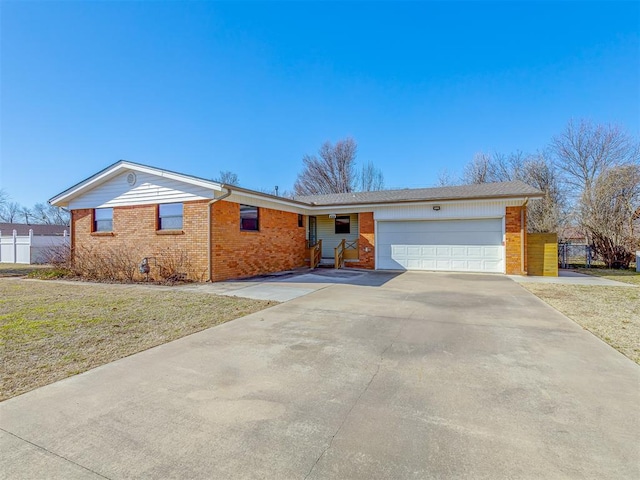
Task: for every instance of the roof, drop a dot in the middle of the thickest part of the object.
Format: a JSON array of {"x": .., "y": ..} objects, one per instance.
[
  {"x": 63, "y": 198},
  {"x": 572, "y": 233},
  {"x": 460, "y": 192},
  {"x": 23, "y": 229},
  {"x": 500, "y": 190}
]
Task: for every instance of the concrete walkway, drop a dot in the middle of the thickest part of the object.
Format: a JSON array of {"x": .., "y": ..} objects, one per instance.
[{"x": 406, "y": 376}]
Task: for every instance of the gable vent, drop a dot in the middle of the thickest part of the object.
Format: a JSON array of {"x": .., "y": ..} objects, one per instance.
[{"x": 131, "y": 179}]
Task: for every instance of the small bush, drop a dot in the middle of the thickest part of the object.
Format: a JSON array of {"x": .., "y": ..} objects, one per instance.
[
  {"x": 121, "y": 264},
  {"x": 50, "y": 273}
]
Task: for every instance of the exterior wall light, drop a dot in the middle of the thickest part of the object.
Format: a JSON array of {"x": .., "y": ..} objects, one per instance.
[{"x": 436, "y": 207}]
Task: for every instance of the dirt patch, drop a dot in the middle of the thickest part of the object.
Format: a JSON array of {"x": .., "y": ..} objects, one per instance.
[
  {"x": 611, "y": 313},
  {"x": 50, "y": 331}
]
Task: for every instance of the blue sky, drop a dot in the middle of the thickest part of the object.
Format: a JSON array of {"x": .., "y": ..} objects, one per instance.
[{"x": 252, "y": 87}]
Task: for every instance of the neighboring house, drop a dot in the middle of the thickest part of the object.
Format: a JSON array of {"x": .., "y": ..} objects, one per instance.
[
  {"x": 572, "y": 235},
  {"x": 231, "y": 232},
  {"x": 25, "y": 243}
]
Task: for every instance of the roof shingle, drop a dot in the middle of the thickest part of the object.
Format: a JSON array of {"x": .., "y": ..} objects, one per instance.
[
  {"x": 460, "y": 192},
  {"x": 23, "y": 229}
]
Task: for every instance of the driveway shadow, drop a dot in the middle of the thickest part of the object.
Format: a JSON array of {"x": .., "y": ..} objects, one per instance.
[{"x": 341, "y": 276}]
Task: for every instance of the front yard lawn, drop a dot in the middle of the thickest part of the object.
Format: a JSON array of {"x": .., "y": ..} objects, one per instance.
[
  {"x": 19, "y": 269},
  {"x": 50, "y": 330},
  {"x": 611, "y": 313},
  {"x": 625, "y": 276}
]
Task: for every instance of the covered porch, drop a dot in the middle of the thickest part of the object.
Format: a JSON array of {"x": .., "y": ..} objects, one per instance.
[{"x": 333, "y": 239}]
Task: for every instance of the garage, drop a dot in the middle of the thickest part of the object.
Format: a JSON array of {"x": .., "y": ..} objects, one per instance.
[{"x": 446, "y": 245}]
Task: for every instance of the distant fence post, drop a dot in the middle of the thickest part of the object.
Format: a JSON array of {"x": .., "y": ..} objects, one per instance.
[
  {"x": 15, "y": 246},
  {"x": 563, "y": 255}
]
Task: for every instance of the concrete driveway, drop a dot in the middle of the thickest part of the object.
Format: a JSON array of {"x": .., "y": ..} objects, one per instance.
[{"x": 419, "y": 375}]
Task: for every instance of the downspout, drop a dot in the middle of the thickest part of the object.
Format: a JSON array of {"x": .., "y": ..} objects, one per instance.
[
  {"x": 209, "y": 227},
  {"x": 522, "y": 234}
]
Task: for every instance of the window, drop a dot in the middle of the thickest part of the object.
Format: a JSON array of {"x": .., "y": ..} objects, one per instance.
[
  {"x": 103, "y": 220},
  {"x": 170, "y": 216},
  {"x": 301, "y": 220},
  {"x": 343, "y": 224},
  {"x": 249, "y": 218}
]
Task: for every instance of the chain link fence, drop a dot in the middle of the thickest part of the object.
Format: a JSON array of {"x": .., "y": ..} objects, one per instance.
[{"x": 570, "y": 255}]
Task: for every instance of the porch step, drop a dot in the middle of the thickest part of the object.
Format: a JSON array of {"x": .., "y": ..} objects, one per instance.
[{"x": 326, "y": 263}]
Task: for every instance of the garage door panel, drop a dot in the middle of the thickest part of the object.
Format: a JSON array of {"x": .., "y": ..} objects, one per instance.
[
  {"x": 492, "y": 252},
  {"x": 459, "y": 264},
  {"x": 476, "y": 265},
  {"x": 492, "y": 265},
  {"x": 475, "y": 251},
  {"x": 458, "y": 245}
]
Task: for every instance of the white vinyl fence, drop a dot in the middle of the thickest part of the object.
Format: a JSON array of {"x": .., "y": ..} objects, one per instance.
[{"x": 30, "y": 248}]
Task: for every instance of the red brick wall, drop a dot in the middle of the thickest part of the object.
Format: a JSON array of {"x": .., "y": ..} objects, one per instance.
[
  {"x": 134, "y": 235},
  {"x": 513, "y": 247},
  {"x": 366, "y": 243},
  {"x": 279, "y": 245}
]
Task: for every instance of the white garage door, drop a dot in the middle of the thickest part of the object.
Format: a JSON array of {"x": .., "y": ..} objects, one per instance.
[{"x": 449, "y": 245}]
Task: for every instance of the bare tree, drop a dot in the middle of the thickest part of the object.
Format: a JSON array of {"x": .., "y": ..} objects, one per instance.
[
  {"x": 25, "y": 212},
  {"x": 478, "y": 170},
  {"x": 600, "y": 166},
  {"x": 445, "y": 178},
  {"x": 609, "y": 213},
  {"x": 4, "y": 198},
  {"x": 371, "y": 178},
  {"x": 332, "y": 171},
  {"x": 228, "y": 178},
  {"x": 11, "y": 212},
  {"x": 537, "y": 170},
  {"x": 548, "y": 213},
  {"x": 49, "y": 215},
  {"x": 584, "y": 151}
]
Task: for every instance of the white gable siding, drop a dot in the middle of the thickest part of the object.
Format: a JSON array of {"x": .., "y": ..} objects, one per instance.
[
  {"x": 448, "y": 211},
  {"x": 148, "y": 189}
]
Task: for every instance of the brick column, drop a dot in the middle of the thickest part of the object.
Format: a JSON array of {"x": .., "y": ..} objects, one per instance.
[{"x": 516, "y": 240}]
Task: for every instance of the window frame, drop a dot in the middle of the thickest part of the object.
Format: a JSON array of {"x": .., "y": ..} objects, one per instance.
[
  {"x": 348, "y": 224},
  {"x": 300, "y": 220},
  {"x": 257, "y": 218},
  {"x": 160, "y": 217},
  {"x": 95, "y": 220}
]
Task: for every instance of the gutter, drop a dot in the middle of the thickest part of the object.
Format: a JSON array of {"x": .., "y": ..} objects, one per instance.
[
  {"x": 209, "y": 261},
  {"x": 522, "y": 236}
]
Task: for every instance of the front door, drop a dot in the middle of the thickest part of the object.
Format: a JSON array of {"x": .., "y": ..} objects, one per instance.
[{"x": 313, "y": 230}]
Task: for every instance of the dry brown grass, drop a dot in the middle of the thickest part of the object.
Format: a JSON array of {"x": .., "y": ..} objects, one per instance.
[
  {"x": 625, "y": 276},
  {"x": 19, "y": 269},
  {"x": 611, "y": 313},
  {"x": 50, "y": 330}
]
